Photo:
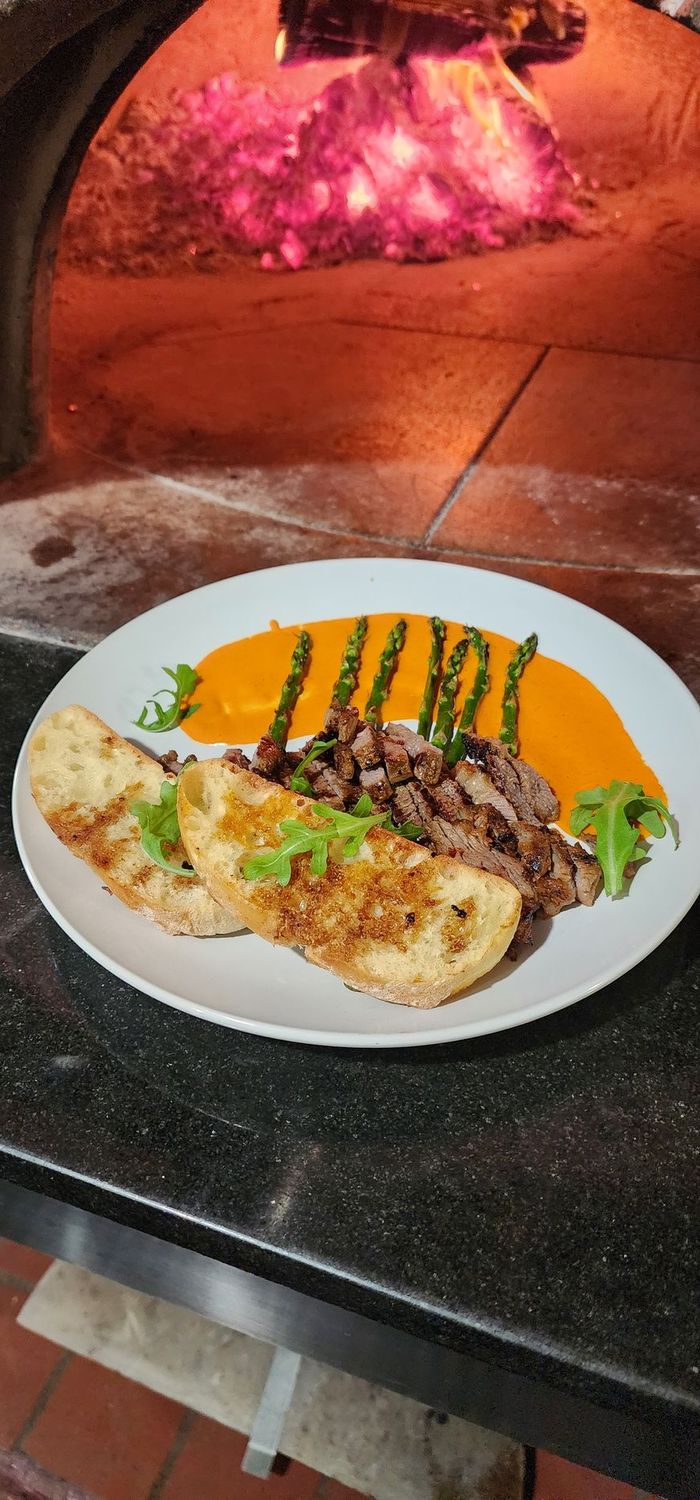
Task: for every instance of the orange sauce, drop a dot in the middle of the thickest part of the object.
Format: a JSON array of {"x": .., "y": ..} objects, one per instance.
[{"x": 568, "y": 729}]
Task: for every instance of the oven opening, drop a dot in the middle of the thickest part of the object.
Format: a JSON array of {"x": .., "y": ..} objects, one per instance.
[{"x": 275, "y": 178}]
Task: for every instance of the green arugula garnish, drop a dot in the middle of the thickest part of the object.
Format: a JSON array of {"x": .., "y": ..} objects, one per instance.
[
  {"x": 615, "y": 812},
  {"x": 185, "y": 679},
  {"x": 348, "y": 829},
  {"x": 299, "y": 838},
  {"x": 159, "y": 827},
  {"x": 300, "y": 782},
  {"x": 407, "y": 830}
]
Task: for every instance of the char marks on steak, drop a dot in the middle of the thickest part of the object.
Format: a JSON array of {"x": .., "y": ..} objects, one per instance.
[
  {"x": 531, "y": 797},
  {"x": 268, "y": 759},
  {"x": 341, "y": 723},
  {"x": 491, "y": 811}
]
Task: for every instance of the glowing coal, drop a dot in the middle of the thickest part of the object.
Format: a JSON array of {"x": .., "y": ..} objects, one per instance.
[{"x": 423, "y": 162}]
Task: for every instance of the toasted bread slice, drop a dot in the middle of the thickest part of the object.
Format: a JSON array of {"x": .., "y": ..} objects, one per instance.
[
  {"x": 83, "y": 778},
  {"x": 395, "y": 921}
]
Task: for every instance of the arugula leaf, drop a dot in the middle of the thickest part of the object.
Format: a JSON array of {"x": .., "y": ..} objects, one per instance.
[
  {"x": 300, "y": 782},
  {"x": 160, "y": 828},
  {"x": 406, "y": 830},
  {"x": 185, "y": 679},
  {"x": 300, "y": 838},
  {"x": 616, "y": 812}
]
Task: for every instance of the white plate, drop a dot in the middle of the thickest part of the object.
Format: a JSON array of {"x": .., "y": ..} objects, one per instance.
[{"x": 242, "y": 981}]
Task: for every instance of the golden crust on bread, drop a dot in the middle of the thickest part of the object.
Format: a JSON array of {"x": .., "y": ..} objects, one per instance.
[
  {"x": 395, "y": 921},
  {"x": 84, "y": 777}
]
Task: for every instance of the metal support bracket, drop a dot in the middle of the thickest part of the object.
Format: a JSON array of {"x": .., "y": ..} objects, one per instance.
[{"x": 271, "y": 1414}]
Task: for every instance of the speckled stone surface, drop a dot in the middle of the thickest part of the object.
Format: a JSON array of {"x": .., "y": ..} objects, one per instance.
[{"x": 530, "y": 1198}]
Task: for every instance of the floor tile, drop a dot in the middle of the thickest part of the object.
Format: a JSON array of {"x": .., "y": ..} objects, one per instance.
[
  {"x": 86, "y": 546},
  {"x": 663, "y": 610},
  {"x": 104, "y": 1432},
  {"x": 370, "y": 1440},
  {"x": 26, "y": 1362},
  {"x": 21, "y": 1261},
  {"x": 209, "y": 1468},
  {"x": 352, "y": 428},
  {"x": 598, "y": 462},
  {"x": 555, "y": 1479}
]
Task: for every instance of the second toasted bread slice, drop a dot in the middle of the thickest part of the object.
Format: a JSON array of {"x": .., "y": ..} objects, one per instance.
[
  {"x": 84, "y": 777},
  {"x": 394, "y": 921}
]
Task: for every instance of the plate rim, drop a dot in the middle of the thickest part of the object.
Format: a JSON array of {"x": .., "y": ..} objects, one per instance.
[{"x": 303, "y": 1035}]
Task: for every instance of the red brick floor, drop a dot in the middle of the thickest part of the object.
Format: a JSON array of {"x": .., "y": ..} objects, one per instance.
[{"x": 112, "y": 1439}]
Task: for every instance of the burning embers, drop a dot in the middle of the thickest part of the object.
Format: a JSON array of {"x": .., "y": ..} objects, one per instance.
[{"x": 423, "y": 161}]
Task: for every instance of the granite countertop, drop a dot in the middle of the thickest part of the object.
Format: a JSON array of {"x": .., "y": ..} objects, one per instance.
[{"x": 528, "y": 1198}]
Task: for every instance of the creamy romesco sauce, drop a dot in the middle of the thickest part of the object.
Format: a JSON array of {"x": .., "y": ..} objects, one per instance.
[{"x": 568, "y": 729}]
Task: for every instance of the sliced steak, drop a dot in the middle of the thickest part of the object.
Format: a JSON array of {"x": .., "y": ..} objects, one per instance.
[
  {"x": 534, "y": 849},
  {"x": 481, "y": 790},
  {"x": 426, "y": 759},
  {"x": 528, "y": 792},
  {"x": 410, "y": 805},
  {"x": 344, "y": 761},
  {"x": 557, "y": 889},
  {"x": 174, "y": 766},
  {"x": 342, "y": 723},
  {"x": 328, "y": 787},
  {"x": 428, "y": 765},
  {"x": 523, "y": 932},
  {"x": 377, "y": 783},
  {"x": 448, "y": 801},
  {"x": 537, "y": 792},
  {"x": 268, "y": 758},
  {"x": 398, "y": 765},
  {"x": 468, "y": 843},
  {"x": 367, "y": 747},
  {"x": 587, "y": 874},
  {"x": 413, "y": 742},
  {"x": 237, "y": 759}
]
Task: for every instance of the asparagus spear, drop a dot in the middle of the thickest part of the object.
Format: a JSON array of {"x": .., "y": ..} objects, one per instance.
[
  {"x": 350, "y": 664},
  {"x": 509, "y": 710},
  {"x": 387, "y": 666},
  {"x": 279, "y": 728},
  {"x": 473, "y": 699},
  {"x": 425, "y": 716},
  {"x": 445, "y": 720}
]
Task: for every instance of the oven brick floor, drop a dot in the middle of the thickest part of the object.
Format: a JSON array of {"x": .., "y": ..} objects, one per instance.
[
  {"x": 207, "y": 426},
  {"x": 76, "y": 1431}
]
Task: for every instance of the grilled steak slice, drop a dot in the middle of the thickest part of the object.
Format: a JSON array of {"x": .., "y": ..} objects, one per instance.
[
  {"x": 328, "y": 787},
  {"x": 173, "y": 765},
  {"x": 481, "y": 790},
  {"x": 523, "y": 932},
  {"x": 587, "y": 874},
  {"x": 448, "y": 801},
  {"x": 268, "y": 758},
  {"x": 470, "y": 843},
  {"x": 237, "y": 758},
  {"x": 528, "y": 792},
  {"x": 414, "y": 743},
  {"x": 376, "y": 782},
  {"x": 534, "y": 849},
  {"x": 398, "y": 765},
  {"x": 411, "y": 805},
  {"x": 558, "y": 888},
  {"x": 428, "y": 765},
  {"x": 367, "y": 747},
  {"x": 344, "y": 761},
  {"x": 341, "y": 723}
]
